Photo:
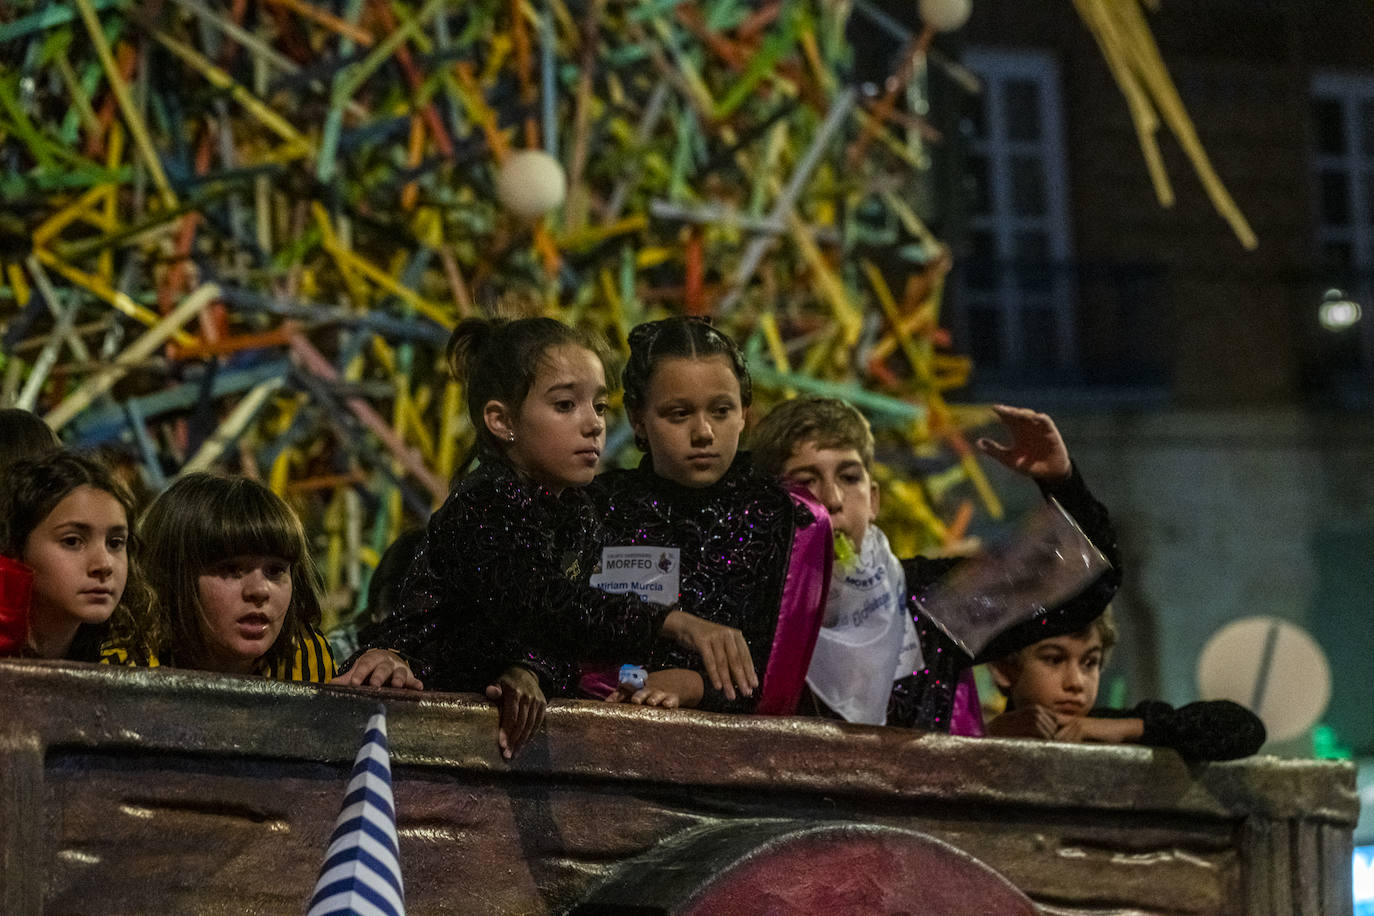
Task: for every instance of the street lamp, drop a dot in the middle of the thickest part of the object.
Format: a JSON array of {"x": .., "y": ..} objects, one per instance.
[{"x": 1338, "y": 312}]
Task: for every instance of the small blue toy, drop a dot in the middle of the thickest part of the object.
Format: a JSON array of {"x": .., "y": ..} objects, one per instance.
[{"x": 633, "y": 677}]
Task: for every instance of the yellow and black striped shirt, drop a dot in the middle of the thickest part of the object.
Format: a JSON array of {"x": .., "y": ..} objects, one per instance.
[{"x": 312, "y": 662}]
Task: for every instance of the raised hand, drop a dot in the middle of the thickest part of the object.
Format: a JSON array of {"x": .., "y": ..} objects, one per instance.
[{"x": 1037, "y": 449}]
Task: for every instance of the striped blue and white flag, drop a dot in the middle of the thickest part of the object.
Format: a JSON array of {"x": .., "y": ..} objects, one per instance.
[{"x": 361, "y": 874}]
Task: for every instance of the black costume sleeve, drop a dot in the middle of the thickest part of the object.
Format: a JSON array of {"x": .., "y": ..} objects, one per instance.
[
  {"x": 502, "y": 580},
  {"x": 1207, "y": 730},
  {"x": 713, "y": 700}
]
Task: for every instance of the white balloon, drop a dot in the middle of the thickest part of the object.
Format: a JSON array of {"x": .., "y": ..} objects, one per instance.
[
  {"x": 945, "y": 15},
  {"x": 530, "y": 183}
]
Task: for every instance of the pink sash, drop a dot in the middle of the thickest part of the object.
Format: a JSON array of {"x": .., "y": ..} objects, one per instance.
[
  {"x": 967, "y": 716},
  {"x": 598, "y": 681},
  {"x": 801, "y": 612}
]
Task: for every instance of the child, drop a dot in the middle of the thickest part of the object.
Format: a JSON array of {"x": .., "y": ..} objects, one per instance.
[
  {"x": 498, "y": 596},
  {"x": 236, "y": 590},
  {"x": 67, "y": 519},
  {"x": 22, "y": 435},
  {"x": 1051, "y": 687},
  {"x": 751, "y": 555},
  {"x": 384, "y": 588},
  {"x": 879, "y": 660}
]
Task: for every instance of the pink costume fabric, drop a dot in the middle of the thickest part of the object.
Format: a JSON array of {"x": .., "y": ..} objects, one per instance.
[
  {"x": 802, "y": 611},
  {"x": 967, "y": 716}
]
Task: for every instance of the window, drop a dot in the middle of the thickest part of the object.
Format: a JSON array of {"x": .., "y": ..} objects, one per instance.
[
  {"x": 1342, "y": 130},
  {"x": 1015, "y": 312}
]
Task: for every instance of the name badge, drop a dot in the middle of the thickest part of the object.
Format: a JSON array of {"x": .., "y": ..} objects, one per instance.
[{"x": 649, "y": 572}]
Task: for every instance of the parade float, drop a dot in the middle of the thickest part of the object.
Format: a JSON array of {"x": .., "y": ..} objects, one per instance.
[{"x": 158, "y": 791}]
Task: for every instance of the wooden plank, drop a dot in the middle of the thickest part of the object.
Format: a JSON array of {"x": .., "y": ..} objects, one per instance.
[{"x": 22, "y": 853}]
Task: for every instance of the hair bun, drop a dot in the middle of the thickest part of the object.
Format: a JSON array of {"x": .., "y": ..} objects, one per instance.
[
  {"x": 641, "y": 336},
  {"x": 468, "y": 340}
]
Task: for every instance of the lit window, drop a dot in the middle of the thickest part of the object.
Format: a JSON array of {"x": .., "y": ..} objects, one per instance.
[
  {"x": 1016, "y": 289},
  {"x": 1342, "y": 132}
]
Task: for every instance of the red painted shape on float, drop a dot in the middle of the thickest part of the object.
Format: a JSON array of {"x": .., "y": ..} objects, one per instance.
[{"x": 825, "y": 875}]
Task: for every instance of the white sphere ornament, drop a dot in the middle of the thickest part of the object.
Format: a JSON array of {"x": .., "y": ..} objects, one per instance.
[
  {"x": 1338, "y": 311},
  {"x": 944, "y": 15},
  {"x": 530, "y": 183}
]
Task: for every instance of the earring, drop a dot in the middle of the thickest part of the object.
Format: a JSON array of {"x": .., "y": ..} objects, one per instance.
[{"x": 511, "y": 437}]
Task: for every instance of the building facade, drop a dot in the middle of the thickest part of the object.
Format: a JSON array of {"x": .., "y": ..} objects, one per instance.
[{"x": 1226, "y": 425}]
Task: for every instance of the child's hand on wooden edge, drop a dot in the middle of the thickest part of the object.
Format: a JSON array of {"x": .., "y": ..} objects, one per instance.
[
  {"x": 723, "y": 650},
  {"x": 380, "y": 668},
  {"x": 668, "y": 688},
  {"x": 1101, "y": 731},
  {"x": 522, "y": 705},
  {"x": 1034, "y": 721},
  {"x": 647, "y": 696}
]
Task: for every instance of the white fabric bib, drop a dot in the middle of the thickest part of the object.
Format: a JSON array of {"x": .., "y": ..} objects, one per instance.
[{"x": 868, "y": 640}]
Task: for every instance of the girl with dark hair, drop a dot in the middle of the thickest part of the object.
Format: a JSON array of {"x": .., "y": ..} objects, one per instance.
[
  {"x": 67, "y": 525},
  {"x": 497, "y": 600},
  {"x": 236, "y": 589},
  {"x": 752, "y": 555},
  {"x": 24, "y": 435}
]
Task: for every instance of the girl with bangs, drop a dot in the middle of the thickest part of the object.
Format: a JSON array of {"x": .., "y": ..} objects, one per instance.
[{"x": 236, "y": 589}]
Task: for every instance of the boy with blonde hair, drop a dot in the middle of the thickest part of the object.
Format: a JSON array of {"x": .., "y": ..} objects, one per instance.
[{"x": 879, "y": 659}]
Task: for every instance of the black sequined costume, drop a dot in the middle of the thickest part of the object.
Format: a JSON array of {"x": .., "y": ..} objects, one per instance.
[
  {"x": 735, "y": 538},
  {"x": 501, "y": 578},
  {"x": 1207, "y": 730},
  {"x": 925, "y": 699}
]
